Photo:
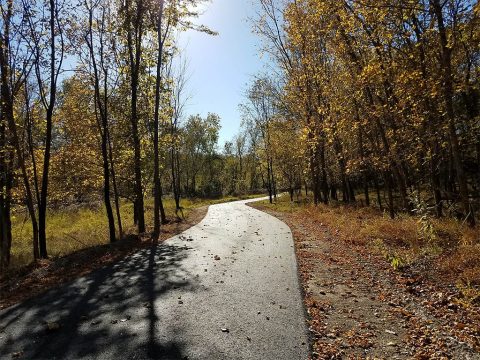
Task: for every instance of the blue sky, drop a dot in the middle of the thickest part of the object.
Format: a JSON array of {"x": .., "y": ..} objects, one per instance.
[{"x": 220, "y": 67}]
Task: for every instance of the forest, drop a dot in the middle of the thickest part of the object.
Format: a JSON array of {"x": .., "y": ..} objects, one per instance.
[
  {"x": 339, "y": 221},
  {"x": 93, "y": 112},
  {"x": 372, "y": 103},
  {"x": 383, "y": 98}
]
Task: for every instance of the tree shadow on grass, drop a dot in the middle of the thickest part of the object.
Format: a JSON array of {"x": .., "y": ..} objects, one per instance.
[{"x": 110, "y": 313}]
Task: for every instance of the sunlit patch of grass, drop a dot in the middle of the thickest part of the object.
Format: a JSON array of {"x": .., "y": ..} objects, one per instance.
[
  {"x": 470, "y": 293},
  {"x": 465, "y": 262},
  {"x": 400, "y": 232},
  {"x": 198, "y": 202},
  {"x": 68, "y": 230},
  {"x": 284, "y": 204},
  {"x": 79, "y": 227}
]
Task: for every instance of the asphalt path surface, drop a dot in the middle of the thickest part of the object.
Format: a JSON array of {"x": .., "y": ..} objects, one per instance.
[{"x": 225, "y": 289}]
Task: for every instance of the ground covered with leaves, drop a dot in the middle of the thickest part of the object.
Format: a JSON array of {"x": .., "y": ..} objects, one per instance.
[
  {"x": 41, "y": 276},
  {"x": 371, "y": 294}
]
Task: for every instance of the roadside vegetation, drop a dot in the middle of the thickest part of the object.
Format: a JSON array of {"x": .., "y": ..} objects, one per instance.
[
  {"x": 378, "y": 287},
  {"x": 78, "y": 227},
  {"x": 96, "y": 144},
  {"x": 442, "y": 250}
]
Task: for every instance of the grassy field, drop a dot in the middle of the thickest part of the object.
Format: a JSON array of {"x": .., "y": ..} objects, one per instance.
[
  {"x": 450, "y": 247},
  {"x": 80, "y": 227}
]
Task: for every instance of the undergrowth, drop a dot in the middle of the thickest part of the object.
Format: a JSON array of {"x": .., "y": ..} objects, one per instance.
[{"x": 445, "y": 248}]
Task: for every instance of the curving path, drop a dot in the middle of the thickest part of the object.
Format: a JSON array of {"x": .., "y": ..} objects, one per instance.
[{"x": 224, "y": 289}]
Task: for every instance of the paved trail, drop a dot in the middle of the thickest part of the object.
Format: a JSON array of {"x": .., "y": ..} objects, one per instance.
[{"x": 225, "y": 289}]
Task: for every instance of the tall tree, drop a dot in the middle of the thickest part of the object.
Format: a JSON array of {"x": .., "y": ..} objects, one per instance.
[
  {"x": 261, "y": 110},
  {"x": 100, "y": 71},
  {"x": 11, "y": 83},
  {"x": 162, "y": 35},
  {"x": 47, "y": 66},
  {"x": 134, "y": 12}
]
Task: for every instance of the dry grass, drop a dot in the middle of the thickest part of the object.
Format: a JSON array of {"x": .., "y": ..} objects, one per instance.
[
  {"x": 20, "y": 284},
  {"x": 80, "y": 227},
  {"x": 448, "y": 251}
]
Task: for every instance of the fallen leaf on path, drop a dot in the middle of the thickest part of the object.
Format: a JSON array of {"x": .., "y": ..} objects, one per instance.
[{"x": 53, "y": 326}]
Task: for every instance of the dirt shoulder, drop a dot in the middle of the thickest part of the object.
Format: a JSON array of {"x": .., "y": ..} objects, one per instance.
[
  {"x": 44, "y": 275},
  {"x": 360, "y": 307}
]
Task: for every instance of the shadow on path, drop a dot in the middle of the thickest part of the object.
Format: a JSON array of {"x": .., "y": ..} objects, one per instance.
[{"x": 110, "y": 313}]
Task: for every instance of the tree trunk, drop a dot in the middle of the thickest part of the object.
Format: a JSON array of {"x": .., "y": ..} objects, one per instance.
[
  {"x": 135, "y": 212},
  {"x": 362, "y": 158},
  {"x": 5, "y": 220},
  {"x": 5, "y": 231},
  {"x": 137, "y": 163},
  {"x": 448, "y": 93},
  {"x": 106, "y": 184},
  {"x": 115, "y": 188},
  {"x": 377, "y": 190},
  {"x": 157, "y": 187},
  {"x": 193, "y": 190},
  {"x": 5, "y": 154},
  {"x": 8, "y": 112},
  {"x": 435, "y": 180},
  {"x": 365, "y": 189},
  {"x": 351, "y": 191},
  {"x": 344, "y": 190},
  {"x": 333, "y": 192},
  {"x": 324, "y": 174},
  {"x": 478, "y": 165},
  {"x": 29, "y": 127},
  {"x": 389, "y": 185},
  {"x": 102, "y": 108},
  {"x": 174, "y": 180},
  {"x": 135, "y": 56},
  {"x": 315, "y": 179},
  {"x": 273, "y": 182},
  {"x": 401, "y": 179},
  {"x": 7, "y": 98},
  {"x": 42, "y": 206},
  {"x": 177, "y": 170},
  {"x": 269, "y": 183},
  {"x": 163, "y": 216}
]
